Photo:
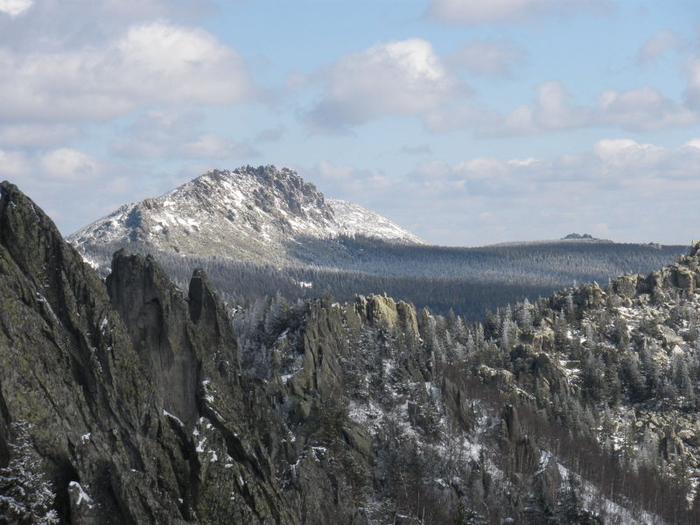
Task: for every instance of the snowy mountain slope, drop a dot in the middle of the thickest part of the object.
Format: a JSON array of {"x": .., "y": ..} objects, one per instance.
[
  {"x": 355, "y": 220},
  {"x": 251, "y": 214}
]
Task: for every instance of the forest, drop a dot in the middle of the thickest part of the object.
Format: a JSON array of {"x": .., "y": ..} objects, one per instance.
[{"x": 468, "y": 281}]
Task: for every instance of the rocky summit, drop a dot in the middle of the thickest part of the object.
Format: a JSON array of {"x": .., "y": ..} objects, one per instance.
[{"x": 262, "y": 214}]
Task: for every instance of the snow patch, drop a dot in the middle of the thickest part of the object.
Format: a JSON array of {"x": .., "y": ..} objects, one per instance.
[
  {"x": 168, "y": 414},
  {"x": 82, "y": 495}
]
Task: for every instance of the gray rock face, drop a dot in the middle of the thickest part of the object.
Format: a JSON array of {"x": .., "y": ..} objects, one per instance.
[{"x": 113, "y": 398}]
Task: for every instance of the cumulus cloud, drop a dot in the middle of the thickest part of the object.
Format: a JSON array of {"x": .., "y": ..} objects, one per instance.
[
  {"x": 156, "y": 62},
  {"x": 211, "y": 146},
  {"x": 656, "y": 46},
  {"x": 552, "y": 109},
  {"x": 174, "y": 134},
  {"x": 14, "y": 8},
  {"x": 692, "y": 91},
  {"x": 75, "y": 187},
  {"x": 643, "y": 109},
  {"x": 69, "y": 165},
  {"x": 13, "y": 164},
  {"x": 35, "y": 135},
  {"x": 469, "y": 12},
  {"x": 55, "y": 25},
  {"x": 489, "y": 57},
  {"x": 638, "y": 109},
  {"x": 404, "y": 78}
]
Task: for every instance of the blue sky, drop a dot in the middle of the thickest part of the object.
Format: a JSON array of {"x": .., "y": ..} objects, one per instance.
[{"x": 467, "y": 122}]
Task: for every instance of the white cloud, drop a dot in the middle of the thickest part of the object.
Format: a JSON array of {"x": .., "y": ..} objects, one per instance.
[
  {"x": 522, "y": 162},
  {"x": 643, "y": 109},
  {"x": 62, "y": 166},
  {"x": 35, "y": 135},
  {"x": 404, "y": 78},
  {"x": 13, "y": 164},
  {"x": 554, "y": 109},
  {"x": 655, "y": 47},
  {"x": 69, "y": 165},
  {"x": 15, "y": 7},
  {"x": 638, "y": 109},
  {"x": 489, "y": 57},
  {"x": 59, "y": 25},
  {"x": 210, "y": 146},
  {"x": 470, "y": 12},
  {"x": 551, "y": 110},
  {"x": 692, "y": 91},
  {"x": 75, "y": 187},
  {"x": 174, "y": 134},
  {"x": 150, "y": 63}
]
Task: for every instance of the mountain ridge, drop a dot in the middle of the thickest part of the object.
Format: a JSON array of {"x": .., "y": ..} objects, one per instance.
[{"x": 249, "y": 214}]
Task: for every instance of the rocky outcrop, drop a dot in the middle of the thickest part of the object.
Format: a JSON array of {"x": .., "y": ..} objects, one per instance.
[{"x": 116, "y": 399}]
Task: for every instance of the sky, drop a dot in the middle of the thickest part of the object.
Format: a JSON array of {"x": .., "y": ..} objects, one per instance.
[{"x": 467, "y": 122}]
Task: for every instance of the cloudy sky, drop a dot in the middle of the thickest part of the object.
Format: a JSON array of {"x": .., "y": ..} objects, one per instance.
[{"x": 468, "y": 122}]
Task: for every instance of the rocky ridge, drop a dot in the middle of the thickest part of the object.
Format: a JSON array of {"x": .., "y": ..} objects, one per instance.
[{"x": 262, "y": 214}]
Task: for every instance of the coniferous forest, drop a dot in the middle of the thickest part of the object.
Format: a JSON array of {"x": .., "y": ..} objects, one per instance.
[{"x": 468, "y": 281}]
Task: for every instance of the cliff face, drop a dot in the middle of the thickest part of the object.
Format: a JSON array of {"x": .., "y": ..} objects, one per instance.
[{"x": 109, "y": 411}]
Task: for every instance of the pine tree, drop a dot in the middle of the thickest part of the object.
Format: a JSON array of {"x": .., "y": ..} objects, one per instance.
[{"x": 26, "y": 496}]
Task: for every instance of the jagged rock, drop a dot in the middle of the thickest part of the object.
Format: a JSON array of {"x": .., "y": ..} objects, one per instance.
[
  {"x": 589, "y": 296},
  {"x": 670, "y": 443},
  {"x": 112, "y": 419},
  {"x": 157, "y": 318},
  {"x": 457, "y": 403},
  {"x": 685, "y": 279},
  {"x": 382, "y": 311},
  {"x": 626, "y": 286}
]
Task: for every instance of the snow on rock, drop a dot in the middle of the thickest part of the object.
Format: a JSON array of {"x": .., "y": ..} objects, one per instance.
[
  {"x": 81, "y": 496},
  {"x": 176, "y": 419},
  {"x": 356, "y": 220},
  {"x": 257, "y": 214}
]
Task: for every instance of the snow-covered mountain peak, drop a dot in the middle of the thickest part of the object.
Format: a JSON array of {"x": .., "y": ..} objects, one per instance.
[{"x": 249, "y": 213}]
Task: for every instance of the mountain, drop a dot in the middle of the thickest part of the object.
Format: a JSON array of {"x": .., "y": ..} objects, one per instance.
[
  {"x": 263, "y": 231},
  {"x": 126, "y": 400},
  {"x": 262, "y": 214}
]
